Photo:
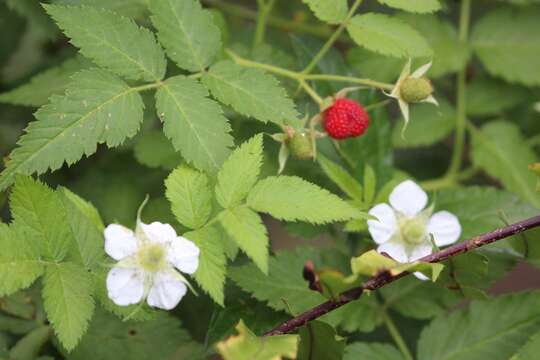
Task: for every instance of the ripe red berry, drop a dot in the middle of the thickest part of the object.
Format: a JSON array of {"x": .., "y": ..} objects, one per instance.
[{"x": 344, "y": 119}]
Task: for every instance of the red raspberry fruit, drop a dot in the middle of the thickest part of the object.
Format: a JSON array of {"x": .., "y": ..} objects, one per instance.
[{"x": 344, "y": 119}]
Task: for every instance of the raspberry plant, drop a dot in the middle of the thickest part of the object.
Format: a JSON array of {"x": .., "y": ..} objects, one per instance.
[{"x": 388, "y": 138}]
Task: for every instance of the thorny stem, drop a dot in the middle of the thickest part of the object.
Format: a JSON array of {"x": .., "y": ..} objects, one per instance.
[
  {"x": 396, "y": 336},
  {"x": 265, "y": 7},
  {"x": 332, "y": 39},
  {"x": 459, "y": 145},
  {"x": 384, "y": 278}
]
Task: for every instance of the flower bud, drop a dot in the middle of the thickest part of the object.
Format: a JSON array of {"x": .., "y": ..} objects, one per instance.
[
  {"x": 415, "y": 89},
  {"x": 300, "y": 145}
]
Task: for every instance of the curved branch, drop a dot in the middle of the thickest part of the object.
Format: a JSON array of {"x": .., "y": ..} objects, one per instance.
[{"x": 379, "y": 281}]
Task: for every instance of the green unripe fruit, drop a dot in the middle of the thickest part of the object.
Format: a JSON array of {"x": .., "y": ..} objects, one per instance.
[
  {"x": 300, "y": 145},
  {"x": 415, "y": 90}
]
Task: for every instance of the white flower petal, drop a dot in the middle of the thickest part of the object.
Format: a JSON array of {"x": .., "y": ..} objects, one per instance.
[
  {"x": 167, "y": 290},
  {"x": 120, "y": 242},
  {"x": 419, "y": 251},
  {"x": 382, "y": 230},
  {"x": 430, "y": 99},
  {"x": 184, "y": 255},
  {"x": 420, "y": 276},
  {"x": 445, "y": 228},
  {"x": 158, "y": 232},
  {"x": 125, "y": 286},
  {"x": 421, "y": 71},
  {"x": 408, "y": 198},
  {"x": 395, "y": 249}
]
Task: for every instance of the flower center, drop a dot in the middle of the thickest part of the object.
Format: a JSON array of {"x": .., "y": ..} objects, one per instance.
[
  {"x": 413, "y": 230},
  {"x": 152, "y": 257}
]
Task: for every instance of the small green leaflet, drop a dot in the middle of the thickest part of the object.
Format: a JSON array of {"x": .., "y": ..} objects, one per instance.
[
  {"x": 154, "y": 150},
  {"x": 530, "y": 350},
  {"x": 190, "y": 196},
  {"x": 67, "y": 299},
  {"x": 417, "y": 6},
  {"x": 246, "y": 228},
  {"x": 39, "y": 212},
  {"x": 330, "y": 11},
  {"x": 187, "y": 32},
  {"x": 292, "y": 198},
  {"x": 98, "y": 108},
  {"x": 210, "y": 274},
  {"x": 341, "y": 178},
  {"x": 388, "y": 36},
  {"x": 500, "y": 150},
  {"x": 194, "y": 123},
  {"x": 319, "y": 341},
  {"x": 240, "y": 172},
  {"x": 494, "y": 40},
  {"x": 251, "y": 92},
  {"x": 493, "y": 329},
  {"x": 112, "y": 41},
  {"x": 19, "y": 260},
  {"x": 52, "y": 81},
  {"x": 247, "y": 346}
]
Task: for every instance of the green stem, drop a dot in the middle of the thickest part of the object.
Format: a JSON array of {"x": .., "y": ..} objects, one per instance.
[
  {"x": 147, "y": 86},
  {"x": 459, "y": 145},
  {"x": 288, "y": 25},
  {"x": 298, "y": 76},
  {"x": 265, "y": 7},
  {"x": 310, "y": 91},
  {"x": 332, "y": 39},
  {"x": 396, "y": 336}
]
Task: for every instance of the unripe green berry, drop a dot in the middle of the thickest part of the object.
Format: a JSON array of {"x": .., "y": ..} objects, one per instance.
[
  {"x": 415, "y": 90},
  {"x": 300, "y": 145}
]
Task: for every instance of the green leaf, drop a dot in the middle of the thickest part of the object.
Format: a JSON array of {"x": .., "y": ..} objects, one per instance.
[
  {"x": 67, "y": 300},
  {"x": 419, "y": 299},
  {"x": 210, "y": 274},
  {"x": 388, "y": 36},
  {"x": 500, "y": 150},
  {"x": 240, "y": 172},
  {"x": 19, "y": 260},
  {"x": 341, "y": 178},
  {"x": 160, "y": 338},
  {"x": 30, "y": 345},
  {"x": 319, "y": 341},
  {"x": 98, "y": 108},
  {"x": 494, "y": 40},
  {"x": 246, "y": 228},
  {"x": 449, "y": 54},
  {"x": 417, "y": 6},
  {"x": 374, "y": 66},
  {"x": 330, "y": 11},
  {"x": 251, "y": 92},
  {"x": 491, "y": 97},
  {"x": 284, "y": 282},
  {"x": 49, "y": 82},
  {"x": 291, "y": 198},
  {"x": 87, "y": 230},
  {"x": 429, "y": 124},
  {"x": 112, "y": 41},
  {"x": 247, "y": 346},
  {"x": 361, "y": 315},
  {"x": 371, "y": 351},
  {"x": 530, "y": 350},
  {"x": 194, "y": 123},
  {"x": 190, "y": 196},
  {"x": 39, "y": 213},
  {"x": 154, "y": 150},
  {"x": 372, "y": 263},
  {"x": 187, "y": 32},
  {"x": 487, "y": 330}
]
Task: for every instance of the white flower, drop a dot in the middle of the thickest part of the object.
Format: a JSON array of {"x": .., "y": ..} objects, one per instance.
[
  {"x": 148, "y": 260},
  {"x": 404, "y": 228},
  {"x": 397, "y": 92}
]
